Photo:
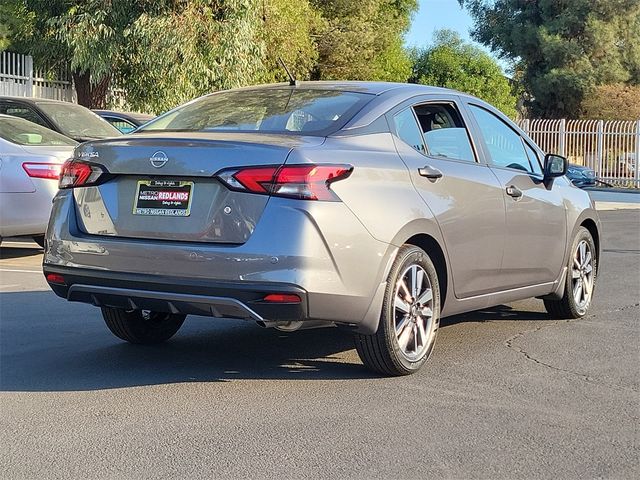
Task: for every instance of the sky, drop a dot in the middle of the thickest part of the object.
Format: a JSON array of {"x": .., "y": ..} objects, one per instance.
[
  {"x": 435, "y": 15},
  {"x": 438, "y": 14}
]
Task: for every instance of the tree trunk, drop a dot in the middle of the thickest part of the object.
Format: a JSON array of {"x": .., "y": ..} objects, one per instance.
[{"x": 91, "y": 95}]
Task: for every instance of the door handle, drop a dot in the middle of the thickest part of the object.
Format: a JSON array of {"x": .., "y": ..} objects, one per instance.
[
  {"x": 430, "y": 172},
  {"x": 514, "y": 192}
]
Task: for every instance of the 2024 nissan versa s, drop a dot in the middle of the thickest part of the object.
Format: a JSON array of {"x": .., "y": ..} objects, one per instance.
[{"x": 376, "y": 207}]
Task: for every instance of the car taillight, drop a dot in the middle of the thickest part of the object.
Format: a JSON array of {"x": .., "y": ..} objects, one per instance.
[
  {"x": 305, "y": 182},
  {"x": 79, "y": 174},
  {"x": 49, "y": 171}
]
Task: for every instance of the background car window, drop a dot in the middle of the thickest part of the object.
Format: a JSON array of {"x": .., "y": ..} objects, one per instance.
[
  {"x": 505, "y": 146},
  {"x": 444, "y": 132},
  {"x": 408, "y": 130},
  {"x": 77, "y": 121},
  {"x": 534, "y": 160},
  {"x": 22, "y": 112},
  {"x": 22, "y": 132},
  {"x": 120, "y": 124}
]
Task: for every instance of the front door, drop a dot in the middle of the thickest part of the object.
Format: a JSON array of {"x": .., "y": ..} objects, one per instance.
[
  {"x": 463, "y": 194},
  {"x": 536, "y": 219}
]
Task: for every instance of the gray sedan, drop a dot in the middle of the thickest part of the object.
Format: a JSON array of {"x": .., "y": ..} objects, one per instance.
[
  {"x": 30, "y": 160},
  {"x": 375, "y": 207}
]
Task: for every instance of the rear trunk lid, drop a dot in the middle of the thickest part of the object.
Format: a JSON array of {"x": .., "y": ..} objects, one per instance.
[{"x": 163, "y": 185}]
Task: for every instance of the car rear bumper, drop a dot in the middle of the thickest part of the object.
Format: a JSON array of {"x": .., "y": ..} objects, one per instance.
[
  {"x": 178, "y": 295},
  {"x": 317, "y": 250}
]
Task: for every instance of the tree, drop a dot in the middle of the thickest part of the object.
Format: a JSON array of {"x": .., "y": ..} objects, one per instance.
[
  {"x": 562, "y": 50},
  {"x": 164, "y": 52},
  {"x": 198, "y": 48},
  {"x": 452, "y": 63},
  {"x": 362, "y": 39},
  {"x": 612, "y": 102},
  {"x": 88, "y": 36}
]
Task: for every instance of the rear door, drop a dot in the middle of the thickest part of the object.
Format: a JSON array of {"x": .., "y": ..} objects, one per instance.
[
  {"x": 535, "y": 212},
  {"x": 463, "y": 194}
]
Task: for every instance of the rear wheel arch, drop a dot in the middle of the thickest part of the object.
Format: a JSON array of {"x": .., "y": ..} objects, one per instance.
[{"x": 430, "y": 245}]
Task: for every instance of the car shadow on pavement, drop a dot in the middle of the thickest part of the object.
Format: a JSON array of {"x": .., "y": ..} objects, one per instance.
[
  {"x": 43, "y": 348},
  {"x": 7, "y": 253}
]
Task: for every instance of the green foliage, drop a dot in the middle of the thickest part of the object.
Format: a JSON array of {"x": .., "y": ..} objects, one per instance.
[
  {"x": 202, "y": 47},
  {"x": 362, "y": 40},
  {"x": 562, "y": 50},
  {"x": 287, "y": 30},
  {"x": 164, "y": 52},
  {"x": 452, "y": 63}
]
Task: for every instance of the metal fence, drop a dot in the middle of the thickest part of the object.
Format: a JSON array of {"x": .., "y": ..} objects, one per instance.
[
  {"x": 18, "y": 78},
  {"x": 611, "y": 148}
]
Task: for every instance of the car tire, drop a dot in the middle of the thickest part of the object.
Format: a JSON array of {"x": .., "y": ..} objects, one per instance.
[
  {"x": 581, "y": 279},
  {"x": 409, "y": 319},
  {"x": 142, "y": 326},
  {"x": 39, "y": 239}
]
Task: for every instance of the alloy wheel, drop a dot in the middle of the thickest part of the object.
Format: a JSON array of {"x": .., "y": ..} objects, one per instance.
[
  {"x": 582, "y": 275},
  {"x": 413, "y": 310}
]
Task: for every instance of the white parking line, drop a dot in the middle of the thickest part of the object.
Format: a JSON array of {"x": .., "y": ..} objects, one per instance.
[{"x": 15, "y": 270}]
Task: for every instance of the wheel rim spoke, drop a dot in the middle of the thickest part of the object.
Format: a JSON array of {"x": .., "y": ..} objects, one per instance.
[
  {"x": 422, "y": 331},
  {"x": 404, "y": 287},
  {"x": 405, "y": 336},
  {"x": 575, "y": 273},
  {"x": 577, "y": 292},
  {"x": 426, "y": 297},
  {"x": 401, "y": 305}
]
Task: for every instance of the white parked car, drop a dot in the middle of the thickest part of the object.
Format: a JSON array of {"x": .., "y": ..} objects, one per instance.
[{"x": 30, "y": 161}]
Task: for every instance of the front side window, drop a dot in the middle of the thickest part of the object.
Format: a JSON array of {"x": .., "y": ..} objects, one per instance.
[
  {"x": 408, "y": 130},
  {"x": 444, "y": 132},
  {"x": 534, "y": 160},
  {"x": 274, "y": 110},
  {"x": 505, "y": 146}
]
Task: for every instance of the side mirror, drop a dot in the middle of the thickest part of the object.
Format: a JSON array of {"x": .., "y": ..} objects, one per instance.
[{"x": 555, "y": 166}]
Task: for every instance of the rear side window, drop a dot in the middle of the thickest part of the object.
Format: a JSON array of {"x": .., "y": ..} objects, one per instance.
[
  {"x": 444, "y": 132},
  {"x": 22, "y": 132},
  {"x": 505, "y": 146},
  {"x": 275, "y": 110},
  {"x": 407, "y": 129}
]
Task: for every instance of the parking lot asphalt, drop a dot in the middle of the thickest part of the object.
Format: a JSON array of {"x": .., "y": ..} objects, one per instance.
[{"x": 508, "y": 393}]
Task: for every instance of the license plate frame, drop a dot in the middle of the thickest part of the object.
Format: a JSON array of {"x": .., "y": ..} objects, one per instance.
[{"x": 163, "y": 198}]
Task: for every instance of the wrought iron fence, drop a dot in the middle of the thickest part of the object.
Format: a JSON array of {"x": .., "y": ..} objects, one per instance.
[{"x": 611, "y": 148}]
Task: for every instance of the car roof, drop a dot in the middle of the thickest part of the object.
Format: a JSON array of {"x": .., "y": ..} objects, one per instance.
[
  {"x": 31, "y": 100},
  {"x": 356, "y": 86}
]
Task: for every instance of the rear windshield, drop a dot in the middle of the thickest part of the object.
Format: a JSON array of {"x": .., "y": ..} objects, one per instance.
[
  {"x": 23, "y": 132},
  {"x": 285, "y": 110},
  {"x": 76, "y": 121}
]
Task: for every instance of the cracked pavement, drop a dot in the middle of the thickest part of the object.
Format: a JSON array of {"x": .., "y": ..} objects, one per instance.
[{"x": 508, "y": 393}]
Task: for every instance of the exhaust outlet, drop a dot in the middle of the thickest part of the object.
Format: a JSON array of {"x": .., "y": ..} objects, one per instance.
[{"x": 292, "y": 326}]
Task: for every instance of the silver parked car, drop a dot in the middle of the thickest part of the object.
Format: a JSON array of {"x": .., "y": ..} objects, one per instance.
[
  {"x": 376, "y": 207},
  {"x": 31, "y": 157}
]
